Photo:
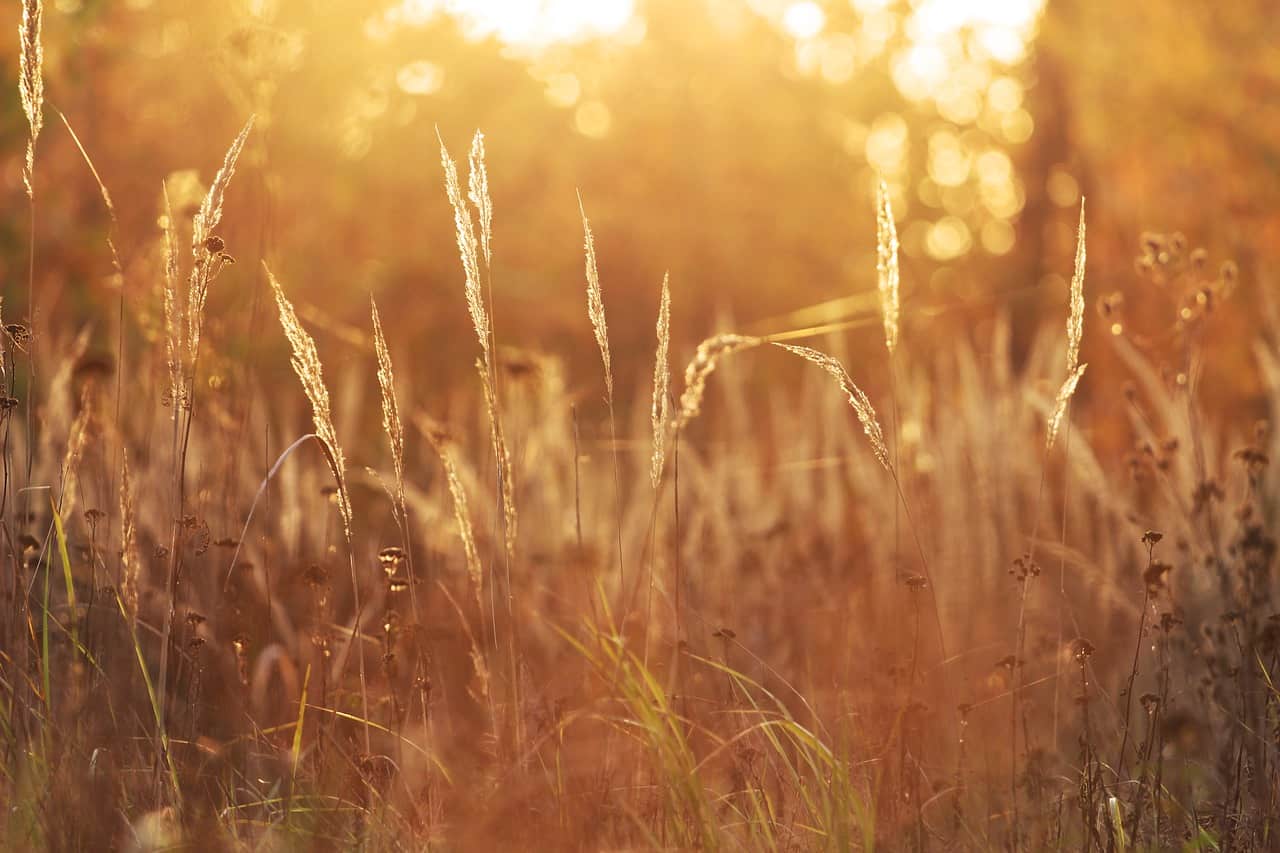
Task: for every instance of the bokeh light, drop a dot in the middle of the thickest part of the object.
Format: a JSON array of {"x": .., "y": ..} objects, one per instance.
[
  {"x": 804, "y": 20},
  {"x": 526, "y": 23}
]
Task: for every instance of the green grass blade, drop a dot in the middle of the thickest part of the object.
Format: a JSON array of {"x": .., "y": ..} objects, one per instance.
[
  {"x": 66, "y": 565},
  {"x": 167, "y": 757}
]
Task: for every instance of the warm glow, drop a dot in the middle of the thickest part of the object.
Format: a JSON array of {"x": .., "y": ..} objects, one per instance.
[
  {"x": 952, "y": 42},
  {"x": 804, "y": 20},
  {"x": 527, "y": 23},
  {"x": 997, "y": 22}
]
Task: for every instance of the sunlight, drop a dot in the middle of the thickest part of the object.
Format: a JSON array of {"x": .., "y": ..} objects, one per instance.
[
  {"x": 527, "y": 23},
  {"x": 804, "y": 20},
  {"x": 1003, "y": 28}
]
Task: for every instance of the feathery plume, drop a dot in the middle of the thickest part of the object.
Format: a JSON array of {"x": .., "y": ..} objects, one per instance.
[
  {"x": 31, "y": 82},
  {"x": 704, "y": 363},
  {"x": 1060, "y": 406},
  {"x": 1075, "y": 323},
  {"x": 77, "y": 440},
  {"x": 394, "y": 428},
  {"x": 478, "y": 192},
  {"x": 464, "y": 227},
  {"x": 206, "y": 251},
  {"x": 210, "y": 213},
  {"x": 887, "y": 266},
  {"x": 661, "y": 384},
  {"x": 861, "y": 405},
  {"x": 60, "y": 411},
  {"x": 595, "y": 302},
  {"x": 306, "y": 363},
  {"x": 439, "y": 442},
  {"x": 503, "y": 455},
  {"x": 466, "y": 235},
  {"x": 129, "y": 564},
  {"x": 595, "y": 309},
  {"x": 391, "y": 423},
  {"x": 172, "y": 323}
]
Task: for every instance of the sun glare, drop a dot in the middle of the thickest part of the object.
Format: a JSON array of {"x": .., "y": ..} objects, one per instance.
[
  {"x": 527, "y": 23},
  {"x": 1002, "y": 27},
  {"x": 804, "y": 20}
]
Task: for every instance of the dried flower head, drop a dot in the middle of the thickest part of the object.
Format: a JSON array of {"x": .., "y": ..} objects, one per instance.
[
  {"x": 316, "y": 575},
  {"x": 391, "y": 559},
  {"x": 1024, "y": 567}
]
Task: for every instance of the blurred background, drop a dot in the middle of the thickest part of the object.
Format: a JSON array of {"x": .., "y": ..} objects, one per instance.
[{"x": 735, "y": 143}]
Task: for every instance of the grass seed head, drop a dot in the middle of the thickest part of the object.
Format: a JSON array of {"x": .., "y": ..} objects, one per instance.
[
  {"x": 1075, "y": 322},
  {"x": 129, "y": 563},
  {"x": 438, "y": 438},
  {"x": 478, "y": 192},
  {"x": 660, "y": 409},
  {"x": 1065, "y": 393},
  {"x": 887, "y": 266},
  {"x": 465, "y": 232},
  {"x": 306, "y": 363},
  {"x": 31, "y": 82},
  {"x": 391, "y": 423},
  {"x": 700, "y": 368},
  {"x": 595, "y": 303},
  {"x": 857, "y": 399}
]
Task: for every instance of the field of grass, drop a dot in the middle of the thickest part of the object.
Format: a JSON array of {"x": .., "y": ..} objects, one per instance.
[{"x": 902, "y": 603}]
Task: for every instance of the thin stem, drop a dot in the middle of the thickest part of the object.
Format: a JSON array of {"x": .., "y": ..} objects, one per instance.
[
  {"x": 1133, "y": 671},
  {"x": 617, "y": 498},
  {"x": 1062, "y": 580},
  {"x": 924, "y": 562},
  {"x": 31, "y": 343}
]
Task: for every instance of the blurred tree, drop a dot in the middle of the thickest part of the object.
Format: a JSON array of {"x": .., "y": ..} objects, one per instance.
[{"x": 736, "y": 144}]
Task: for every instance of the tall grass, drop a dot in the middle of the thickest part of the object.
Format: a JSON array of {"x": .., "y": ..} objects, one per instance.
[
  {"x": 306, "y": 364},
  {"x": 169, "y": 673},
  {"x": 600, "y": 328}
]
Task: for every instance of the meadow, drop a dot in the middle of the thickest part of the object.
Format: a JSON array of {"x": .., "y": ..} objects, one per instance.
[{"x": 847, "y": 585}]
